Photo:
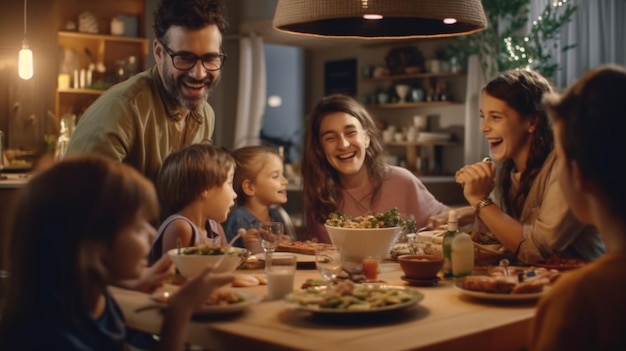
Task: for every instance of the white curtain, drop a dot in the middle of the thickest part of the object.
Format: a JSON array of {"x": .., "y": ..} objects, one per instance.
[
  {"x": 252, "y": 91},
  {"x": 597, "y": 29},
  {"x": 475, "y": 144}
]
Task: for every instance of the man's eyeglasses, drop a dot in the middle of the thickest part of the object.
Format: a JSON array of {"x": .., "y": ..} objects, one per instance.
[{"x": 185, "y": 60}]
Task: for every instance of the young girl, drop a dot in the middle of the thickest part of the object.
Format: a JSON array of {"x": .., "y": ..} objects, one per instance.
[
  {"x": 260, "y": 184},
  {"x": 522, "y": 204},
  {"x": 79, "y": 226},
  {"x": 195, "y": 187}
]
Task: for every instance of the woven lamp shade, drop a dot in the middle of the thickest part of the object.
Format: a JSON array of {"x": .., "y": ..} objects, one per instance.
[{"x": 401, "y": 18}]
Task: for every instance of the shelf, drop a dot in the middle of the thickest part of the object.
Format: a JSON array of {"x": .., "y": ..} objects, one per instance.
[
  {"x": 81, "y": 50},
  {"x": 411, "y": 149},
  {"x": 412, "y": 76},
  {"x": 81, "y": 91},
  {"x": 415, "y": 104},
  {"x": 106, "y": 37}
]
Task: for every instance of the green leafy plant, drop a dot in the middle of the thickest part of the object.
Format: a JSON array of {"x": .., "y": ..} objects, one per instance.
[{"x": 506, "y": 45}]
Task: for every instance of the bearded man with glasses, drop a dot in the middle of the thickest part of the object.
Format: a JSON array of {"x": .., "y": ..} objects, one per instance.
[{"x": 143, "y": 119}]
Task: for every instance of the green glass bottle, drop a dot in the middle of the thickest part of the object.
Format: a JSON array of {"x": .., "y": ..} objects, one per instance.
[{"x": 450, "y": 234}]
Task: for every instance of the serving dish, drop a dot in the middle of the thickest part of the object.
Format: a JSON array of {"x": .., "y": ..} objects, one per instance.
[
  {"x": 248, "y": 299},
  {"x": 358, "y": 243},
  {"x": 302, "y": 258},
  {"x": 500, "y": 297},
  {"x": 307, "y": 299},
  {"x": 561, "y": 264}
]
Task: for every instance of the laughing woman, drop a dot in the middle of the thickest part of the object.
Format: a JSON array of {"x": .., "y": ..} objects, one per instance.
[
  {"x": 343, "y": 169},
  {"x": 517, "y": 197}
]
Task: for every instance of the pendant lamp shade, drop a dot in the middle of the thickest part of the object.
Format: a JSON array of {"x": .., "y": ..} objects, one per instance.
[{"x": 380, "y": 19}]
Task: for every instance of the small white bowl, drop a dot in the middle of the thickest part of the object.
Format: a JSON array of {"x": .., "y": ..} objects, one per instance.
[{"x": 191, "y": 266}]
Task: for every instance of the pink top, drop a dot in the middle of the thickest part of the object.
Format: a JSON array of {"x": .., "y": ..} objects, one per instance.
[{"x": 401, "y": 189}]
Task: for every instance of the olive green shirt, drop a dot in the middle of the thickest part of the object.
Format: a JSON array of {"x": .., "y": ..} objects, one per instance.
[{"x": 135, "y": 122}]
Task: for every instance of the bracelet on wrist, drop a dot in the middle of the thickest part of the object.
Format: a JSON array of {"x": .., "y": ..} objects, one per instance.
[{"x": 482, "y": 203}]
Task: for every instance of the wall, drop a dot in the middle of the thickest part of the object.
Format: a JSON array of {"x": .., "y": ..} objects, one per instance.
[{"x": 24, "y": 104}]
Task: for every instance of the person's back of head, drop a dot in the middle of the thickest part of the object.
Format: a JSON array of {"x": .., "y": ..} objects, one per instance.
[
  {"x": 250, "y": 160},
  {"x": 187, "y": 172},
  {"x": 594, "y": 112},
  {"x": 59, "y": 216},
  {"x": 191, "y": 14}
]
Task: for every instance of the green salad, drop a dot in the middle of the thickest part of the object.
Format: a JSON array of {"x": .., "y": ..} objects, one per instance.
[
  {"x": 204, "y": 249},
  {"x": 387, "y": 219}
]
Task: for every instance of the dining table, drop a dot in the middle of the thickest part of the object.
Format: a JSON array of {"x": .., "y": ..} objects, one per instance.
[{"x": 445, "y": 319}]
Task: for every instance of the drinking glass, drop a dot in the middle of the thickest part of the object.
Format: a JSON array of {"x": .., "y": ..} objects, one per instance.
[
  {"x": 329, "y": 261},
  {"x": 270, "y": 234}
]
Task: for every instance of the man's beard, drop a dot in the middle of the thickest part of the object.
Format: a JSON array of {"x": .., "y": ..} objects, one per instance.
[{"x": 173, "y": 87}]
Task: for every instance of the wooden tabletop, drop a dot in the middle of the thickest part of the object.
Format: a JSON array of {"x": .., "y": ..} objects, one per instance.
[{"x": 444, "y": 320}]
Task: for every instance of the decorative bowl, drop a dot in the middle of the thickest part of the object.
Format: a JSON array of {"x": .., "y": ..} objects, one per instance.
[{"x": 420, "y": 266}]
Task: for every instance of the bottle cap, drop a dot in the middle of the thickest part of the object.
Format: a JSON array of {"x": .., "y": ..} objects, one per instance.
[{"x": 452, "y": 216}]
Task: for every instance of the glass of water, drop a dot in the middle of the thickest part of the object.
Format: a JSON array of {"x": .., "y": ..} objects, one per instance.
[
  {"x": 329, "y": 261},
  {"x": 270, "y": 234}
]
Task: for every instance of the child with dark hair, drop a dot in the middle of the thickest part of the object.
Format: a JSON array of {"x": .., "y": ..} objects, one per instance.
[
  {"x": 585, "y": 309},
  {"x": 79, "y": 226}
]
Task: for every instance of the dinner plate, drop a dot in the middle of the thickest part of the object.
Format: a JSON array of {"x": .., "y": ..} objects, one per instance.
[
  {"x": 302, "y": 258},
  {"x": 561, "y": 264},
  {"x": 249, "y": 298},
  {"x": 421, "y": 282},
  {"x": 500, "y": 297},
  {"x": 435, "y": 236},
  {"x": 314, "y": 292},
  {"x": 496, "y": 249}
]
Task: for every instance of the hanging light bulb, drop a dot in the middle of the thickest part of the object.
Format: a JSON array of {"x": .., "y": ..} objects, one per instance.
[{"x": 25, "y": 62}]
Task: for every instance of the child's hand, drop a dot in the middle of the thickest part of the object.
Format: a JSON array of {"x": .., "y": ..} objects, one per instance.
[
  {"x": 152, "y": 277},
  {"x": 251, "y": 240},
  {"x": 196, "y": 291}
]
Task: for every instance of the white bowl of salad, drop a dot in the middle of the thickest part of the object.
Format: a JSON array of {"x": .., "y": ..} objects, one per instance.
[
  {"x": 363, "y": 236},
  {"x": 193, "y": 260}
]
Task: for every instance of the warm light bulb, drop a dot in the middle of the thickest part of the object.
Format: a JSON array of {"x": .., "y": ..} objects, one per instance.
[
  {"x": 372, "y": 16},
  {"x": 25, "y": 63}
]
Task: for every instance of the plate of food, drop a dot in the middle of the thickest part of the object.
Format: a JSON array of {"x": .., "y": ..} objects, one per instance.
[
  {"x": 302, "y": 258},
  {"x": 345, "y": 297},
  {"x": 526, "y": 284},
  {"x": 305, "y": 247},
  {"x": 494, "y": 249},
  {"x": 415, "y": 248},
  {"x": 561, "y": 264},
  {"x": 500, "y": 296},
  {"x": 221, "y": 301}
]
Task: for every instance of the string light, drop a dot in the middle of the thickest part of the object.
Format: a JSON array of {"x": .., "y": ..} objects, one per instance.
[{"x": 517, "y": 53}]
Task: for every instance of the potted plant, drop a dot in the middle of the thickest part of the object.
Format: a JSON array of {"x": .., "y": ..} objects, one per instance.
[{"x": 505, "y": 44}]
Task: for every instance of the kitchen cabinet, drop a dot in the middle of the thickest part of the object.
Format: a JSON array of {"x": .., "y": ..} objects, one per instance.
[{"x": 92, "y": 63}]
